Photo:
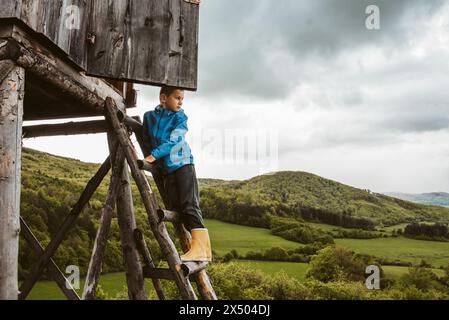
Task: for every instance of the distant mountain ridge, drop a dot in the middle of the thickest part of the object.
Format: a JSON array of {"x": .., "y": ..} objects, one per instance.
[{"x": 431, "y": 198}]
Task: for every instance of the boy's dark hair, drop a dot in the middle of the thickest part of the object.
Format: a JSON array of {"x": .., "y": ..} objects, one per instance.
[{"x": 168, "y": 90}]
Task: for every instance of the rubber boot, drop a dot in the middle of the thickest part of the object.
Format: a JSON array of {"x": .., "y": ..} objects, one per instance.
[{"x": 200, "y": 249}]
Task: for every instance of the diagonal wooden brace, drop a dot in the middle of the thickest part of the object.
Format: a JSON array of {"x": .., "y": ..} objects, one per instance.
[
  {"x": 69, "y": 221},
  {"x": 56, "y": 273}
]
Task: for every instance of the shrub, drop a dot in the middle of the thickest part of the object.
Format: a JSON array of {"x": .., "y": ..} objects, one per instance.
[{"x": 335, "y": 263}]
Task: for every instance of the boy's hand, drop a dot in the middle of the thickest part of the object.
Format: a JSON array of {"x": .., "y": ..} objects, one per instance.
[{"x": 150, "y": 159}]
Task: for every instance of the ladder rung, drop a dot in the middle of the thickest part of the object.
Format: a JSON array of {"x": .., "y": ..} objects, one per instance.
[
  {"x": 167, "y": 216},
  {"x": 189, "y": 268},
  {"x": 158, "y": 273},
  {"x": 145, "y": 165}
]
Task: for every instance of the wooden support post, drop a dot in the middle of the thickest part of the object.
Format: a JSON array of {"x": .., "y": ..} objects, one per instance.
[
  {"x": 69, "y": 221},
  {"x": 127, "y": 224},
  {"x": 201, "y": 278},
  {"x": 55, "y": 272},
  {"x": 146, "y": 256},
  {"x": 11, "y": 116},
  {"x": 65, "y": 129},
  {"x": 149, "y": 200},
  {"x": 96, "y": 260}
]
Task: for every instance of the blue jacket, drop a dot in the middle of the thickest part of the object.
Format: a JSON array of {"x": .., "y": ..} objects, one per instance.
[{"x": 164, "y": 137}]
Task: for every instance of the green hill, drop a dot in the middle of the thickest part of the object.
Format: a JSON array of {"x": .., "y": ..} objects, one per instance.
[
  {"x": 280, "y": 202},
  {"x": 310, "y": 197}
]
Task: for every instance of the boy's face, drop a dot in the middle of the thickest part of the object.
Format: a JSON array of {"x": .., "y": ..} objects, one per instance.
[{"x": 174, "y": 101}]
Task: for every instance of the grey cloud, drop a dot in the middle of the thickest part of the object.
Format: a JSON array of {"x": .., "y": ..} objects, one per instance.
[
  {"x": 240, "y": 38},
  {"x": 236, "y": 38}
]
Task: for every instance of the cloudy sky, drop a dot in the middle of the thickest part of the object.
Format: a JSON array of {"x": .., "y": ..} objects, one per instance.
[{"x": 308, "y": 87}]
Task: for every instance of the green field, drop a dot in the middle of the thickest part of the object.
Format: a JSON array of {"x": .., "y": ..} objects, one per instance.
[
  {"x": 299, "y": 270},
  {"x": 394, "y": 272},
  {"x": 111, "y": 283},
  {"x": 404, "y": 249},
  {"x": 226, "y": 237}
]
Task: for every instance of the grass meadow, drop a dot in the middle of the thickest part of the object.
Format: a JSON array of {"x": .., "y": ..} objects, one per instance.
[{"x": 226, "y": 237}]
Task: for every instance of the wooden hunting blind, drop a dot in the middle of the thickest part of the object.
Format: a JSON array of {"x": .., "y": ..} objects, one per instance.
[
  {"x": 145, "y": 41},
  {"x": 79, "y": 58}
]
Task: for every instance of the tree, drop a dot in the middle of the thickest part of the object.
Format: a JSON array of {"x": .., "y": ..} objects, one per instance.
[{"x": 336, "y": 263}]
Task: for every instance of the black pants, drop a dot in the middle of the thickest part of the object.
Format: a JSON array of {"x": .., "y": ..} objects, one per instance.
[{"x": 181, "y": 189}]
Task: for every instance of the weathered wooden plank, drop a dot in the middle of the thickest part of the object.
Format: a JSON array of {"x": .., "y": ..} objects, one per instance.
[
  {"x": 29, "y": 13},
  {"x": 10, "y": 8},
  {"x": 175, "y": 39},
  {"x": 62, "y": 21},
  {"x": 127, "y": 225},
  {"x": 11, "y": 114},
  {"x": 108, "y": 24},
  {"x": 69, "y": 221},
  {"x": 148, "y": 38},
  {"x": 78, "y": 18},
  {"x": 188, "y": 69},
  {"x": 152, "y": 42},
  {"x": 55, "y": 272}
]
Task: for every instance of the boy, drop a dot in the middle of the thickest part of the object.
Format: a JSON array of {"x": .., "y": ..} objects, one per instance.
[{"x": 165, "y": 147}]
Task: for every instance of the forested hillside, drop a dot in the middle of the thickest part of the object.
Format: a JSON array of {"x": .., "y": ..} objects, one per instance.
[
  {"x": 310, "y": 197},
  {"x": 284, "y": 202}
]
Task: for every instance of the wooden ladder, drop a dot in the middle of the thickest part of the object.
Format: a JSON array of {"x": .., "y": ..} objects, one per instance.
[
  {"x": 131, "y": 237},
  {"x": 177, "y": 271}
]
